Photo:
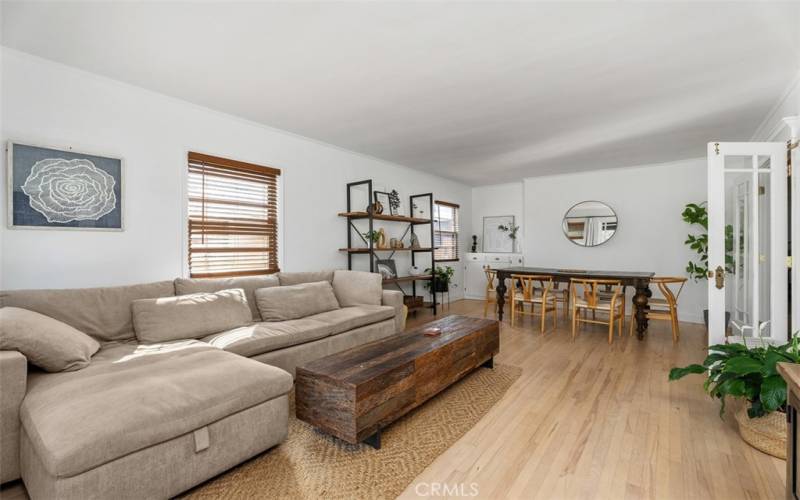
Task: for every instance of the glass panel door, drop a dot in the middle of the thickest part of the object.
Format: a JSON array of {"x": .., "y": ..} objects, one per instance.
[{"x": 747, "y": 242}]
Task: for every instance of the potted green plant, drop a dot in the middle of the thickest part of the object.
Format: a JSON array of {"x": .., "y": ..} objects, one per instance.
[
  {"x": 375, "y": 236},
  {"x": 696, "y": 215},
  {"x": 734, "y": 370},
  {"x": 442, "y": 276}
]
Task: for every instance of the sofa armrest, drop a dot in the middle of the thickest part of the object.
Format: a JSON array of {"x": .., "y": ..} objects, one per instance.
[
  {"x": 394, "y": 298},
  {"x": 13, "y": 380}
]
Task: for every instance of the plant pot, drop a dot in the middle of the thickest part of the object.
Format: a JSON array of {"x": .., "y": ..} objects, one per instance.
[
  {"x": 727, "y": 319},
  {"x": 767, "y": 433},
  {"x": 441, "y": 286}
]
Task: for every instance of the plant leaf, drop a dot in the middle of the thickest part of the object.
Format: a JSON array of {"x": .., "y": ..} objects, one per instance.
[
  {"x": 679, "y": 373},
  {"x": 742, "y": 365},
  {"x": 773, "y": 393}
]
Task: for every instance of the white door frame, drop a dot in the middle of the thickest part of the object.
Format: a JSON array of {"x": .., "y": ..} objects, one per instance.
[
  {"x": 794, "y": 135},
  {"x": 776, "y": 151}
]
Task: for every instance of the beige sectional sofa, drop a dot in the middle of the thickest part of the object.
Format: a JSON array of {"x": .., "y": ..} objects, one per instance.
[{"x": 150, "y": 420}]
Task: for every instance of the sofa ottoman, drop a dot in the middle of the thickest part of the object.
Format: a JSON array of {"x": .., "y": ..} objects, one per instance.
[{"x": 148, "y": 421}]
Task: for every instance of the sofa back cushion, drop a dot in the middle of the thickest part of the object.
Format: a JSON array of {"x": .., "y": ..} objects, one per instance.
[
  {"x": 48, "y": 343},
  {"x": 104, "y": 313},
  {"x": 185, "y": 286},
  {"x": 189, "y": 316},
  {"x": 288, "y": 279},
  {"x": 295, "y": 301},
  {"x": 357, "y": 288}
]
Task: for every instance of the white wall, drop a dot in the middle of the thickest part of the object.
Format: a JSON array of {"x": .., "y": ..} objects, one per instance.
[
  {"x": 498, "y": 199},
  {"x": 50, "y": 104},
  {"x": 648, "y": 201}
]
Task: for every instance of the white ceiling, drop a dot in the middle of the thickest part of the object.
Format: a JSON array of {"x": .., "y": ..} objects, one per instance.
[{"x": 479, "y": 92}]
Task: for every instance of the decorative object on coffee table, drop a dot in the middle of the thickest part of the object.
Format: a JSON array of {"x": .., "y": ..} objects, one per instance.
[
  {"x": 355, "y": 393},
  {"x": 63, "y": 189}
]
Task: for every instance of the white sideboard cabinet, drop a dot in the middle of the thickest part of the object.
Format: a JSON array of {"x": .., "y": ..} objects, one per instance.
[{"x": 474, "y": 265}]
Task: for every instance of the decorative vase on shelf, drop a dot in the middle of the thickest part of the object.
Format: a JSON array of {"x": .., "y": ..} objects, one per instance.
[
  {"x": 415, "y": 271},
  {"x": 414, "y": 241},
  {"x": 381, "y": 238}
]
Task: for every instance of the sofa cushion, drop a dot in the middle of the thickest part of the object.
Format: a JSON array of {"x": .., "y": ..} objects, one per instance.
[
  {"x": 265, "y": 337},
  {"x": 47, "y": 343},
  {"x": 104, "y": 313},
  {"x": 354, "y": 288},
  {"x": 289, "y": 279},
  {"x": 348, "y": 318},
  {"x": 185, "y": 286},
  {"x": 296, "y": 301},
  {"x": 189, "y": 316},
  {"x": 135, "y": 396}
]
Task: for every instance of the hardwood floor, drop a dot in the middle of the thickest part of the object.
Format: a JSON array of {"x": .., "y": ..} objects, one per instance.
[
  {"x": 591, "y": 420},
  {"x": 588, "y": 420}
]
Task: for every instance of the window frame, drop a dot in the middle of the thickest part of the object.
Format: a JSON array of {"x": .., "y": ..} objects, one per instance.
[
  {"x": 456, "y": 234},
  {"x": 195, "y": 157}
]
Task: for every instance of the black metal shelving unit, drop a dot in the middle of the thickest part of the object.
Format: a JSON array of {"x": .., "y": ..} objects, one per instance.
[{"x": 413, "y": 222}]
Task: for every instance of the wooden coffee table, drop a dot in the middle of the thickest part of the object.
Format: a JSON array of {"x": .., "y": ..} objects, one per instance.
[{"x": 355, "y": 393}]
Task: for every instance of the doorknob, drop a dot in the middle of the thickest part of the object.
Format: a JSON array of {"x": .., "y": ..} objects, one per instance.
[{"x": 720, "y": 277}]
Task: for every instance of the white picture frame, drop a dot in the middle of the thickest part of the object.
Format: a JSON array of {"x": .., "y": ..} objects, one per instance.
[{"x": 494, "y": 239}]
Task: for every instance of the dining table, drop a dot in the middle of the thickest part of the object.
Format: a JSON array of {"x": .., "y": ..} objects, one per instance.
[{"x": 639, "y": 281}]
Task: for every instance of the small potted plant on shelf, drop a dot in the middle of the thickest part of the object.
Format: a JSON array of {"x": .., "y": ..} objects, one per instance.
[
  {"x": 443, "y": 276},
  {"x": 696, "y": 215},
  {"x": 750, "y": 374}
]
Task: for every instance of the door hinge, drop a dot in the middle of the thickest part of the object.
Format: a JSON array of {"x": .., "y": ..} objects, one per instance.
[{"x": 716, "y": 148}]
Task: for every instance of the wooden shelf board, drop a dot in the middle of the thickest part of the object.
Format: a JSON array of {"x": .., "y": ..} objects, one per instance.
[
  {"x": 366, "y": 250},
  {"x": 403, "y": 279},
  {"x": 396, "y": 218}
]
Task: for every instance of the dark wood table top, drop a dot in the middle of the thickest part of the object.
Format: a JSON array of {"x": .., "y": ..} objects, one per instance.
[
  {"x": 577, "y": 273},
  {"x": 366, "y": 362}
]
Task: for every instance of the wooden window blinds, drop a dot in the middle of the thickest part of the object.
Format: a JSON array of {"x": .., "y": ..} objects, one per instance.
[
  {"x": 233, "y": 218},
  {"x": 445, "y": 230}
]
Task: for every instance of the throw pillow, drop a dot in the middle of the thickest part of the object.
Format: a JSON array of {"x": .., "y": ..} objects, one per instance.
[
  {"x": 355, "y": 288},
  {"x": 48, "y": 343},
  {"x": 283, "y": 303},
  {"x": 189, "y": 316}
]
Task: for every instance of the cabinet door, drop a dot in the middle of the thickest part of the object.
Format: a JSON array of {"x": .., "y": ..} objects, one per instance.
[{"x": 474, "y": 280}]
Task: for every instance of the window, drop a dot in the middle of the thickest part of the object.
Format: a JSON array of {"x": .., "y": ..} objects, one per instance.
[
  {"x": 233, "y": 218},
  {"x": 445, "y": 230}
]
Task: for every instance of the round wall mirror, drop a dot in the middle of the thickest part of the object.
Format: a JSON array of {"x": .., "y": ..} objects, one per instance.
[{"x": 590, "y": 223}]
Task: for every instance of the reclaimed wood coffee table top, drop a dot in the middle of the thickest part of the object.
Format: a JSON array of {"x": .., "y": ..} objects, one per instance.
[{"x": 366, "y": 362}]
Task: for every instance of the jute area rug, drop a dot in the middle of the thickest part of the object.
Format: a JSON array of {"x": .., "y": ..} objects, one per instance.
[{"x": 312, "y": 465}]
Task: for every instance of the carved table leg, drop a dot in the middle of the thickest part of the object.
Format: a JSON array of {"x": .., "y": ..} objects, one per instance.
[
  {"x": 640, "y": 300},
  {"x": 501, "y": 296}
]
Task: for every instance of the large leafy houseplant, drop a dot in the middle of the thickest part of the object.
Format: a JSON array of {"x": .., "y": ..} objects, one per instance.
[
  {"x": 751, "y": 373},
  {"x": 696, "y": 214}
]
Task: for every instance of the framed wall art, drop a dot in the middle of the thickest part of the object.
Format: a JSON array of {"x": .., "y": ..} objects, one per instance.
[
  {"x": 51, "y": 188},
  {"x": 496, "y": 234}
]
